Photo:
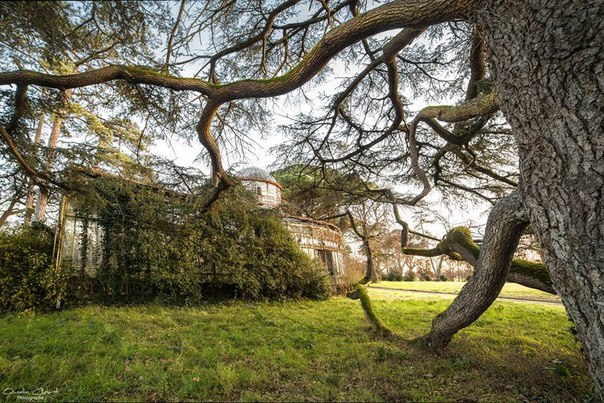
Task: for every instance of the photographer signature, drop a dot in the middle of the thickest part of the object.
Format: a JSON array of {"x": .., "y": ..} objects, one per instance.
[{"x": 35, "y": 392}]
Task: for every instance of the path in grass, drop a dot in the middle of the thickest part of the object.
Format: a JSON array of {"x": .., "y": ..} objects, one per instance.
[
  {"x": 509, "y": 291},
  {"x": 317, "y": 351}
]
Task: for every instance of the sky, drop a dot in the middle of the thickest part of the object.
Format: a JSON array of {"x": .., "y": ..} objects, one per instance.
[
  {"x": 184, "y": 154},
  {"x": 259, "y": 154}
]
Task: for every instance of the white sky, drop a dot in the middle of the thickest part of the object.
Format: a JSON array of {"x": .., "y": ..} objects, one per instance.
[
  {"x": 186, "y": 155},
  {"x": 259, "y": 155}
]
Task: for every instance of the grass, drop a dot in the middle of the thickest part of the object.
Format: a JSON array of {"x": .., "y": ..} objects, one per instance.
[
  {"x": 291, "y": 351},
  {"x": 510, "y": 290}
]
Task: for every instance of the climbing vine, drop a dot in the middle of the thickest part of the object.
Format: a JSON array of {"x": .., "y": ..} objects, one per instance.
[{"x": 160, "y": 244}]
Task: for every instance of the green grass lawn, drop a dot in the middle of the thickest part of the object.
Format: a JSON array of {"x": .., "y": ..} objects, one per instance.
[
  {"x": 289, "y": 351},
  {"x": 510, "y": 290}
]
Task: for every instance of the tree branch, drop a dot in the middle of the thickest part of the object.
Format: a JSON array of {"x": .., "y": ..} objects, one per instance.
[
  {"x": 398, "y": 14},
  {"x": 133, "y": 74},
  {"x": 458, "y": 244},
  {"x": 183, "y": 3},
  {"x": 477, "y": 66},
  {"x": 506, "y": 223}
]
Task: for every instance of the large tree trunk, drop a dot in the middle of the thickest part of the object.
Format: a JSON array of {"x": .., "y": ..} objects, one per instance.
[
  {"x": 549, "y": 73},
  {"x": 504, "y": 228}
]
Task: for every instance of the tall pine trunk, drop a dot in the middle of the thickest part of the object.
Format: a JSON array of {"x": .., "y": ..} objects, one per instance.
[
  {"x": 549, "y": 73},
  {"x": 30, "y": 187},
  {"x": 40, "y": 213}
]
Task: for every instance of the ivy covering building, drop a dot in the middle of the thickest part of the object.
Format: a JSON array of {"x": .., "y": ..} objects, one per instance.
[{"x": 123, "y": 239}]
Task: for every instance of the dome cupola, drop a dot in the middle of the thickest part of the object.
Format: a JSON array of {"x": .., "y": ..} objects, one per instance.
[{"x": 262, "y": 184}]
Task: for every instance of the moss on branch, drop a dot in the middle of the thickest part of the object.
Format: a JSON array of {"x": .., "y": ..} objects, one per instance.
[
  {"x": 423, "y": 252},
  {"x": 458, "y": 244},
  {"x": 372, "y": 317},
  {"x": 485, "y": 105}
]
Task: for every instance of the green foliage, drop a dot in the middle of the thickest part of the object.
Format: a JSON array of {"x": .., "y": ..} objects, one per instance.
[
  {"x": 410, "y": 276},
  {"x": 393, "y": 276},
  {"x": 161, "y": 245},
  {"x": 316, "y": 192},
  {"x": 27, "y": 278}
]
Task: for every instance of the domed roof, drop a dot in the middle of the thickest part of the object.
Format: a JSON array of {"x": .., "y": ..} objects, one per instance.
[{"x": 255, "y": 173}]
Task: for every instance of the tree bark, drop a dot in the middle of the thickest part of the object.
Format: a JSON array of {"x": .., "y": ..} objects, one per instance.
[
  {"x": 40, "y": 213},
  {"x": 548, "y": 67},
  {"x": 9, "y": 211},
  {"x": 504, "y": 228},
  {"x": 437, "y": 267},
  {"x": 375, "y": 278},
  {"x": 30, "y": 187},
  {"x": 370, "y": 271}
]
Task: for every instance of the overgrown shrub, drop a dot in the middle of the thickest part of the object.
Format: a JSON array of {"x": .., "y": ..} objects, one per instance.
[
  {"x": 409, "y": 276},
  {"x": 393, "y": 276},
  {"x": 27, "y": 276},
  {"x": 160, "y": 245}
]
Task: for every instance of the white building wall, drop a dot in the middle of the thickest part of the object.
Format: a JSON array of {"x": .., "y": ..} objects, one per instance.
[
  {"x": 268, "y": 194},
  {"x": 315, "y": 239}
]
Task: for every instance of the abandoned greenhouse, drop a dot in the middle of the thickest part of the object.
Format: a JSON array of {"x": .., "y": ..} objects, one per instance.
[{"x": 80, "y": 237}]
